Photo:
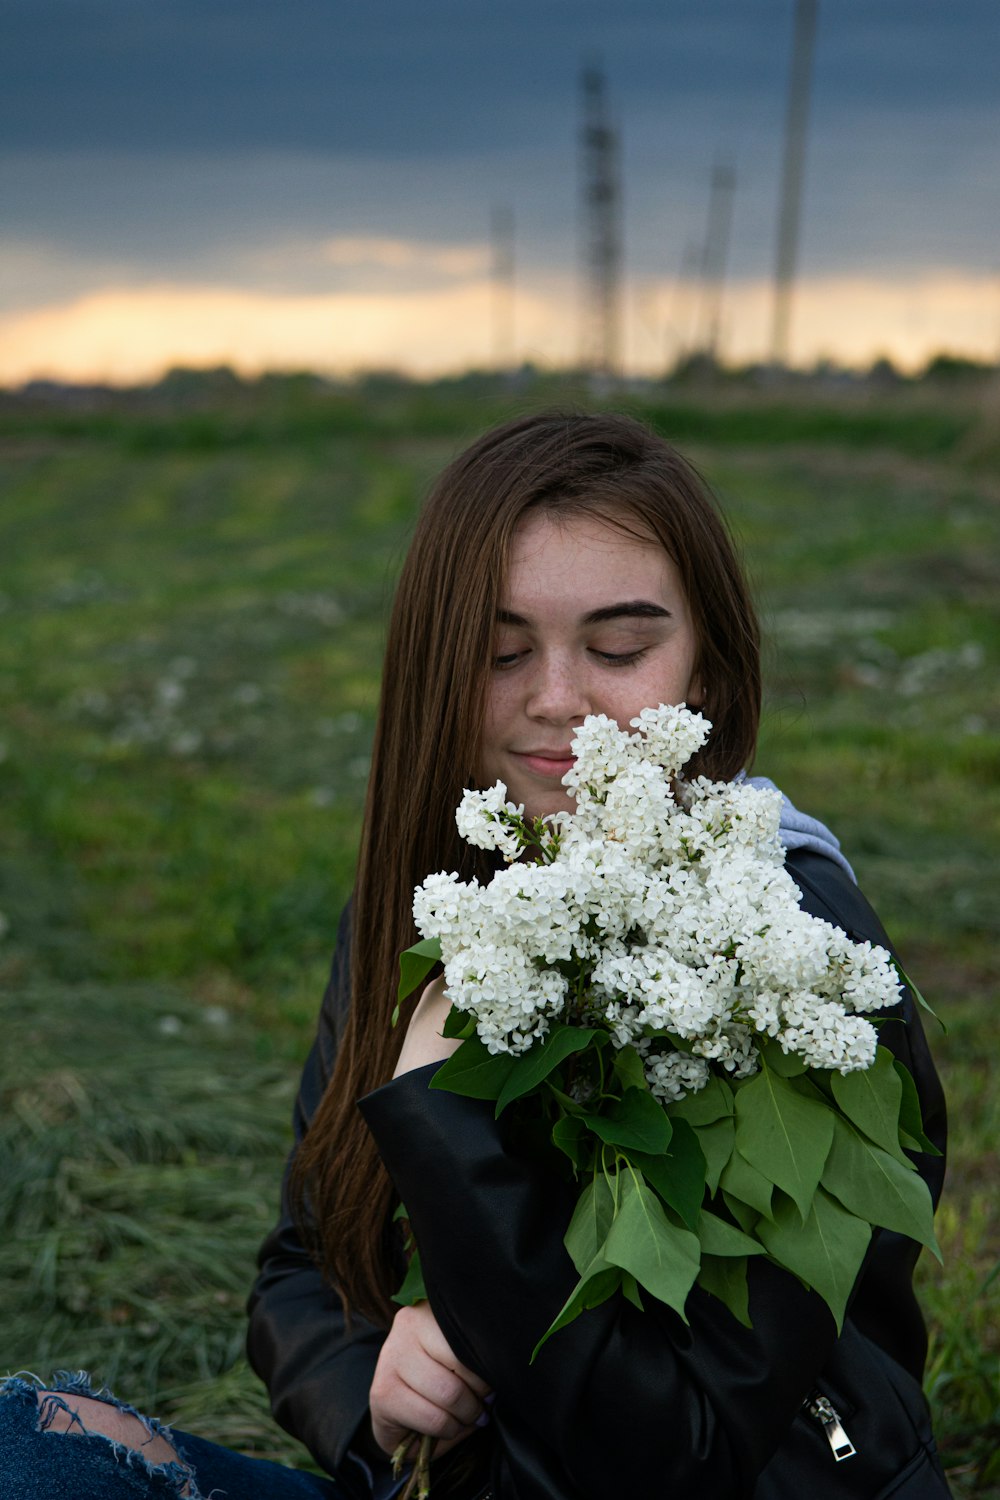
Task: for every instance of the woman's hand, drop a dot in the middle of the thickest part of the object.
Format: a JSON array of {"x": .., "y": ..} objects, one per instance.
[
  {"x": 421, "y": 1387},
  {"x": 424, "y": 1042}
]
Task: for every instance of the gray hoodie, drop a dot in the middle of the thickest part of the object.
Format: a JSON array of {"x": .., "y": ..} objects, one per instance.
[{"x": 797, "y": 830}]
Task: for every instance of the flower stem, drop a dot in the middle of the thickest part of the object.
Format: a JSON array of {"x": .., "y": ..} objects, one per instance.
[{"x": 418, "y": 1485}]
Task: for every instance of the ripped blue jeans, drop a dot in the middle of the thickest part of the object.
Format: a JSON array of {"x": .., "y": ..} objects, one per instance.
[{"x": 39, "y": 1464}]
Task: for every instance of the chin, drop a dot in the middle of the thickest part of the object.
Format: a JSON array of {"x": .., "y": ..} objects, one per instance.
[{"x": 544, "y": 807}]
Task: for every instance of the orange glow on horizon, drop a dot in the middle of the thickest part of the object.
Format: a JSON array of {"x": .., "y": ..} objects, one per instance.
[{"x": 127, "y": 335}]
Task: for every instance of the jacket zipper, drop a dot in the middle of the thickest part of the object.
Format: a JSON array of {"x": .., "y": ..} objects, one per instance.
[{"x": 824, "y": 1412}]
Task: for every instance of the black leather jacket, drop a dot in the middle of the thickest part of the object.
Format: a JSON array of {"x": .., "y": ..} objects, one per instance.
[{"x": 620, "y": 1402}]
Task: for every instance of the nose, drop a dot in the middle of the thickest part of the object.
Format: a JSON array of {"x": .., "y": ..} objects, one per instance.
[{"x": 556, "y": 695}]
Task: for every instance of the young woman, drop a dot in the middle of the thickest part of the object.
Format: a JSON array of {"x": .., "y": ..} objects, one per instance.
[{"x": 564, "y": 565}]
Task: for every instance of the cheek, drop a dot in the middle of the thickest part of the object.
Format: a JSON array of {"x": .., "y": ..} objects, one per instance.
[
  {"x": 497, "y": 709},
  {"x": 489, "y": 739},
  {"x": 676, "y": 685},
  {"x": 685, "y": 677},
  {"x": 693, "y": 691}
]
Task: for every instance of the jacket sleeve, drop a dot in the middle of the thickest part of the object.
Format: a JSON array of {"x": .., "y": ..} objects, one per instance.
[
  {"x": 699, "y": 1408},
  {"x": 317, "y": 1371}
]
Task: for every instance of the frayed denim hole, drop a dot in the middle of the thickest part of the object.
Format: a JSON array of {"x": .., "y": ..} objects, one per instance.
[
  {"x": 178, "y": 1473},
  {"x": 23, "y": 1386},
  {"x": 49, "y": 1402},
  {"x": 78, "y": 1383}
]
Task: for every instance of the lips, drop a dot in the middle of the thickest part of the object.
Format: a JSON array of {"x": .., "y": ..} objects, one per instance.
[{"x": 552, "y": 764}]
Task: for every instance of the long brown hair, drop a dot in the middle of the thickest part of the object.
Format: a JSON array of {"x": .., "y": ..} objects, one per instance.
[{"x": 427, "y": 744}]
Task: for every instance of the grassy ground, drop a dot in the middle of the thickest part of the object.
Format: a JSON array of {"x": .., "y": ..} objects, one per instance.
[{"x": 191, "y": 614}]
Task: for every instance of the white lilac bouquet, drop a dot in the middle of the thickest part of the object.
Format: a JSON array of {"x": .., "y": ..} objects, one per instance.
[{"x": 641, "y": 983}]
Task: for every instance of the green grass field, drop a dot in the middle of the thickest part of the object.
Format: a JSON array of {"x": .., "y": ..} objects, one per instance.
[{"x": 191, "y": 614}]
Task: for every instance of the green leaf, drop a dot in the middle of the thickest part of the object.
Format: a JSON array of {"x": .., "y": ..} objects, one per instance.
[
  {"x": 719, "y": 1238},
  {"x": 788, "y": 1064},
  {"x": 566, "y": 1103},
  {"x": 871, "y": 1099},
  {"x": 918, "y": 997},
  {"x": 679, "y": 1174},
  {"x": 745, "y": 1216},
  {"x": 412, "y": 1289},
  {"x": 740, "y": 1180},
  {"x": 709, "y": 1104},
  {"x": 875, "y": 1186},
  {"x": 629, "y": 1069},
  {"x": 458, "y": 1023},
  {"x": 535, "y": 1065},
  {"x": 414, "y": 966},
  {"x": 784, "y": 1135},
  {"x": 662, "y": 1257},
  {"x": 826, "y": 1251},
  {"x": 474, "y": 1071},
  {"x": 600, "y": 1282},
  {"x": 630, "y": 1289},
  {"x": 570, "y": 1135},
  {"x": 814, "y": 1083},
  {"x": 635, "y": 1120},
  {"x": 591, "y": 1221},
  {"x": 717, "y": 1142},
  {"x": 910, "y": 1118},
  {"x": 726, "y": 1278}
]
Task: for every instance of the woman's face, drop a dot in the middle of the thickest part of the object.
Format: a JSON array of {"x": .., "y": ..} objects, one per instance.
[{"x": 593, "y": 622}]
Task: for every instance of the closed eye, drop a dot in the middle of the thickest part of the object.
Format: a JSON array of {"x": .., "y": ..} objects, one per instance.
[{"x": 619, "y": 659}]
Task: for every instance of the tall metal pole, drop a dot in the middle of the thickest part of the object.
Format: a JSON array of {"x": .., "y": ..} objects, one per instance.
[
  {"x": 502, "y": 237},
  {"x": 789, "y": 217},
  {"x": 715, "y": 254},
  {"x": 681, "y": 334},
  {"x": 601, "y": 231}
]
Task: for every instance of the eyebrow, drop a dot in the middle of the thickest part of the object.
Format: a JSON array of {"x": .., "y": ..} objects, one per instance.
[{"x": 631, "y": 609}]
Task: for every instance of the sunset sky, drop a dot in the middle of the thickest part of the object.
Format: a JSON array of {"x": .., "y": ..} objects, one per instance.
[{"x": 288, "y": 183}]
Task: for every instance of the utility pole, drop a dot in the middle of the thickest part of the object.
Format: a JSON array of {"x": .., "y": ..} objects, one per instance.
[
  {"x": 601, "y": 231},
  {"x": 502, "y": 238},
  {"x": 790, "y": 212},
  {"x": 680, "y": 334},
  {"x": 715, "y": 255}
]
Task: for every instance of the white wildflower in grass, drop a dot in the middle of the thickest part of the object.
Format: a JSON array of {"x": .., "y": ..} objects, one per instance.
[{"x": 643, "y": 968}]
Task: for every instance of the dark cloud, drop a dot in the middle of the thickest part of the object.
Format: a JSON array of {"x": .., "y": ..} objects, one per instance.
[
  {"x": 412, "y": 76},
  {"x": 193, "y": 139}
]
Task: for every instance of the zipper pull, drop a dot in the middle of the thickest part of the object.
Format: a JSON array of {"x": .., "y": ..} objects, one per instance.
[{"x": 841, "y": 1445}]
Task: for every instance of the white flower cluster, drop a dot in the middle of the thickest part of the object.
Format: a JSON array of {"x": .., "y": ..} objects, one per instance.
[
  {"x": 660, "y": 910},
  {"x": 488, "y": 821}
]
